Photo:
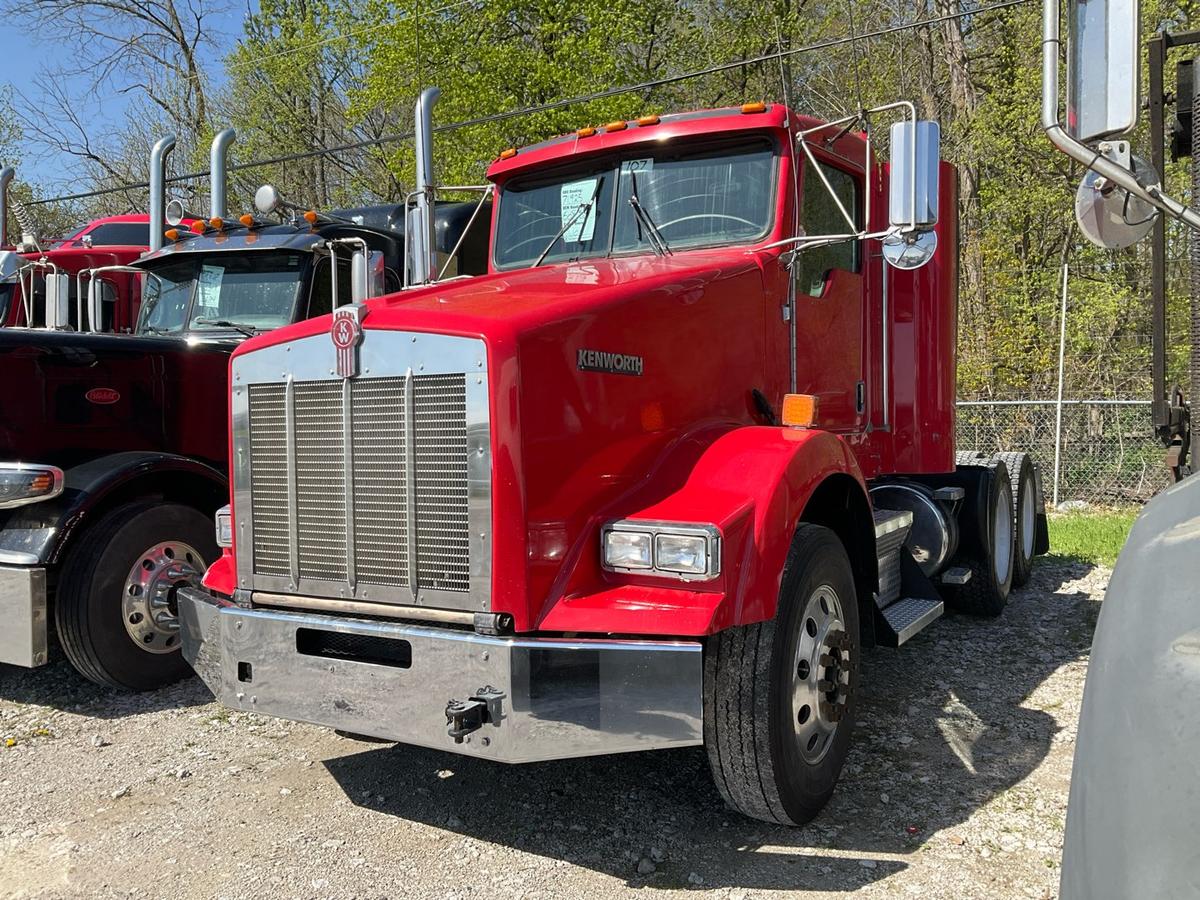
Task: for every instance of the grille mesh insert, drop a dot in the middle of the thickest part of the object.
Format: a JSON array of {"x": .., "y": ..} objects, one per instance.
[{"x": 381, "y": 442}]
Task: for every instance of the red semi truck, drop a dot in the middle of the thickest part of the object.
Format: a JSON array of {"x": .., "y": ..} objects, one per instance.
[
  {"x": 103, "y": 250},
  {"x": 656, "y": 480}
]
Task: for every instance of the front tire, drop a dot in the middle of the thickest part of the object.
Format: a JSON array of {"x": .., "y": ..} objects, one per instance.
[
  {"x": 115, "y": 606},
  {"x": 779, "y": 696}
]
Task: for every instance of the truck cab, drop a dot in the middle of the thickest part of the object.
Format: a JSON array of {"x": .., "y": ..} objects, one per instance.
[
  {"x": 113, "y": 454},
  {"x": 655, "y": 480}
]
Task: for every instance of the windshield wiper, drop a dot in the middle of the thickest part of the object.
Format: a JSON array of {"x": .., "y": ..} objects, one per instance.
[
  {"x": 657, "y": 241},
  {"x": 584, "y": 210},
  {"x": 247, "y": 330},
  {"x": 153, "y": 329}
]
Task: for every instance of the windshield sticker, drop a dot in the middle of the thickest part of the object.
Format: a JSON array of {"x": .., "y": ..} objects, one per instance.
[
  {"x": 581, "y": 224},
  {"x": 208, "y": 291},
  {"x": 637, "y": 167}
]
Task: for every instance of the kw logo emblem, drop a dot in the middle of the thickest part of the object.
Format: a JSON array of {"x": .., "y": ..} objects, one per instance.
[{"x": 346, "y": 333}]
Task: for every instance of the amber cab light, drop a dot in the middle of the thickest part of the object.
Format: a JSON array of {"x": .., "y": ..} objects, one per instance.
[
  {"x": 616, "y": 126},
  {"x": 246, "y": 219},
  {"x": 311, "y": 217},
  {"x": 757, "y": 107},
  {"x": 587, "y": 131},
  {"x": 509, "y": 153},
  {"x": 647, "y": 120},
  {"x": 799, "y": 410},
  {"x": 171, "y": 234},
  {"x": 199, "y": 227},
  {"x": 217, "y": 222}
]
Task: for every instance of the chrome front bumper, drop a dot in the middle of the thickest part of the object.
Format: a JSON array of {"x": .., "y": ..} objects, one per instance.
[
  {"x": 548, "y": 698},
  {"x": 23, "y": 616}
]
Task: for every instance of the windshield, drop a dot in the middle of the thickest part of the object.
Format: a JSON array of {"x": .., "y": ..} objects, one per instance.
[
  {"x": 662, "y": 200},
  {"x": 222, "y": 291}
]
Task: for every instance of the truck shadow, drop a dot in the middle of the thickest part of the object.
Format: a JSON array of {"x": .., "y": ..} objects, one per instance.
[
  {"x": 59, "y": 686},
  {"x": 946, "y": 724}
]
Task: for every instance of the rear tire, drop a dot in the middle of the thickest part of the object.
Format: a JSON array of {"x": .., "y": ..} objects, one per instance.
[
  {"x": 115, "y": 602},
  {"x": 1023, "y": 481},
  {"x": 779, "y": 696},
  {"x": 990, "y": 556}
]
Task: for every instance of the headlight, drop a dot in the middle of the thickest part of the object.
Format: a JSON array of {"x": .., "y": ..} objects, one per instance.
[
  {"x": 225, "y": 526},
  {"x": 675, "y": 550},
  {"x": 628, "y": 549},
  {"x": 21, "y": 483}
]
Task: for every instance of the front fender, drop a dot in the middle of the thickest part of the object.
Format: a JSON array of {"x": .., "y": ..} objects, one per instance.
[
  {"x": 753, "y": 483},
  {"x": 38, "y": 533}
]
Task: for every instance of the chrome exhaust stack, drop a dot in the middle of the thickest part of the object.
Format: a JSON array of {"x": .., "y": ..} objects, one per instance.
[
  {"x": 421, "y": 249},
  {"x": 158, "y": 190},
  {"x": 218, "y": 165},
  {"x": 6, "y": 177}
]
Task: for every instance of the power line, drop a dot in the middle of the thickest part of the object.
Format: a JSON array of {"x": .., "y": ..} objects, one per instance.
[{"x": 559, "y": 104}]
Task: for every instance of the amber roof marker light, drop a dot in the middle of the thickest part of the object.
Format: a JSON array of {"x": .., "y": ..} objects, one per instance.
[
  {"x": 643, "y": 121},
  {"x": 616, "y": 126},
  {"x": 755, "y": 107},
  {"x": 509, "y": 153}
]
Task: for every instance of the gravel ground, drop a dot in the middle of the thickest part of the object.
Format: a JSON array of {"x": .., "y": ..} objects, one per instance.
[{"x": 956, "y": 787}]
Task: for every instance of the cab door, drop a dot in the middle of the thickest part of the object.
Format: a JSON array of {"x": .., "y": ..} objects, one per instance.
[{"x": 830, "y": 303}]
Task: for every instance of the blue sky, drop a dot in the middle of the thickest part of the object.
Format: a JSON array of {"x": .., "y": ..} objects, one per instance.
[{"x": 25, "y": 57}]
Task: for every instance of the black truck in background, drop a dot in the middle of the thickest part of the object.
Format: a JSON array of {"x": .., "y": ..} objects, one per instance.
[{"x": 113, "y": 452}]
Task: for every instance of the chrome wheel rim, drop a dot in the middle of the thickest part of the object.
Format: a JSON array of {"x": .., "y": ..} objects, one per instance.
[
  {"x": 820, "y": 674},
  {"x": 148, "y": 603},
  {"x": 1028, "y": 516},
  {"x": 1003, "y": 525}
]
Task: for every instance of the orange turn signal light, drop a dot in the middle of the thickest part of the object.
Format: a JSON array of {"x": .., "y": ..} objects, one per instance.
[
  {"x": 246, "y": 219},
  {"x": 647, "y": 120},
  {"x": 310, "y": 217},
  {"x": 799, "y": 410},
  {"x": 171, "y": 234},
  {"x": 199, "y": 226},
  {"x": 756, "y": 107},
  {"x": 616, "y": 126},
  {"x": 509, "y": 153},
  {"x": 588, "y": 131},
  {"x": 42, "y": 483}
]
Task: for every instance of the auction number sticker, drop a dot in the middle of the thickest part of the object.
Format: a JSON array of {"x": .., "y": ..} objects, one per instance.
[{"x": 637, "y": 167}]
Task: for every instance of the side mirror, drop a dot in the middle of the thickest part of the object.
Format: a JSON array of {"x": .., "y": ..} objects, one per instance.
[
  {"x": 267, "y": 199},
  {"x": 913, "y": 193},
  {"x": 1104, "y": 37},
  {"x": 58, "y": 286},
  {"x": 175, "y": 213},
  {"x": 360, "y": 280}
]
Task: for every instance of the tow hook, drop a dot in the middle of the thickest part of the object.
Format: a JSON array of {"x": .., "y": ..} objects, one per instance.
[{"x": 466, "y": 716}]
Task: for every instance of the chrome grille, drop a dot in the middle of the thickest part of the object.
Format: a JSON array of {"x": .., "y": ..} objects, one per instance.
[
  {"x": 269, "y": 489},
  {"x": 403, "y": 520},
  {"x": 440, "y": 423}
]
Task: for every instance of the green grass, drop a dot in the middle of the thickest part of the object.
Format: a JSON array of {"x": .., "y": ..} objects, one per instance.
[{"x": 1094, "y": 536}]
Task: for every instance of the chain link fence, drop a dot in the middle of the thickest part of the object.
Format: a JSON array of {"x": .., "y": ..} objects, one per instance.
[{"x": 1108, "y": 453}]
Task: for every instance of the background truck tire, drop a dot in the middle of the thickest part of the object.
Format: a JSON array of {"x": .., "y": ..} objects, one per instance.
[
  {"x": 987, "y": 523},
  {"x": 761, "y": 761},
  {"x": 1026, "y": 508},
  {"x": 90, "y": 605}
]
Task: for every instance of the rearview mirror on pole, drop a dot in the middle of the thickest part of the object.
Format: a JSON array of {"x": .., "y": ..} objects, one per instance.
[{"x": 1102, "y": 68}]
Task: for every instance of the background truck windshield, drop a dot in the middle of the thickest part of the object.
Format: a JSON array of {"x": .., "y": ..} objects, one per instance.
[
  {"x": 256, "y": 291},
  {"x": 680, "y": 198}
]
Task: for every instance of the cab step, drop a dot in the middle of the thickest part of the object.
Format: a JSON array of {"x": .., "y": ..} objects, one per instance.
[
  {"x": 891, "y": 531},
  {"x": 956, "y": 575},
  {"x": 906, "y": 617}
]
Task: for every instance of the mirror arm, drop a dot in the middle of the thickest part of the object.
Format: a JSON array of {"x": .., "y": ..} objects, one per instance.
[{"x": 1122, "y": 177}]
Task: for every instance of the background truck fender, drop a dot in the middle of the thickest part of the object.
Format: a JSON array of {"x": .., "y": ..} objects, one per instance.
[
  {"x": 756, "y": 484},
  {"x": 40, "y": 533}
]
